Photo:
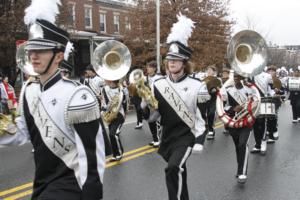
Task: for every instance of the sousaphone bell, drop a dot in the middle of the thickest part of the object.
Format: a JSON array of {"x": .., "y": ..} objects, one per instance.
[{"x": 111, "y": 60}]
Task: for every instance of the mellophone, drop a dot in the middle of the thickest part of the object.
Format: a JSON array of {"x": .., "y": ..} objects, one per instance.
[
  {"x": 267, "y": 107},
  {"x": 293, "y": 84}
]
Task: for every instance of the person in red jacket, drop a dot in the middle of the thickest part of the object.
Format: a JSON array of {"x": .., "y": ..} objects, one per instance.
[{"x": 7, "y": 96}]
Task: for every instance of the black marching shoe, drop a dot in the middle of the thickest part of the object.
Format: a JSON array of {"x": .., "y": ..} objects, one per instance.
[
  {"x": 255, "y": 150},
  {"x": 115, "y": 159}
]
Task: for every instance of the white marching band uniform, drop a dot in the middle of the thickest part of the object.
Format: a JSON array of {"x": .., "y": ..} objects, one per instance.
[
  {"x": 233, "y": 97},
  {"x": 262, "y": 81},
  {"x": 61, "y": 118},
  {"x": 116, "y": 125}
]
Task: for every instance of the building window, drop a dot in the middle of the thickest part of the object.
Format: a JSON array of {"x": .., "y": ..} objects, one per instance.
[
  {"x": 102, "y": 22},
  {"x": 116, "y": 23},
  {"x": 72, "y": 14},
  {"x": 88, "y": 17},
  {"x": 127, "y": 23}
]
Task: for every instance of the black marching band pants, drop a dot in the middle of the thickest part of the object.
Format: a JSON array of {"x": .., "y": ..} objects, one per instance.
[
  {"x": 208, "y": 112},
  {"x": 176, "y": 175},
  {"x": 240, "y": 138},
  {"x": 154, "y": 130},
  {"x": 259, "y": 128},
  {"x": 136, "y": 100},
  {"x": 114, "y": 135},
  {"x": 296, "y": 109}
]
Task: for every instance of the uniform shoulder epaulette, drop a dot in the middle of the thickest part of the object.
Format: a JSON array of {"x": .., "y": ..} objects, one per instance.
[
  {"x": 82, "y": 106},
  {"x": 161, "y": 78},
  {"x": 190, "y": 76},
  {"x": 76, "y": 83}
]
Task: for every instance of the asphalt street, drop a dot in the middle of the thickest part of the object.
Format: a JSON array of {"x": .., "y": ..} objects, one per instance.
[{"x": 211, "y": 174}]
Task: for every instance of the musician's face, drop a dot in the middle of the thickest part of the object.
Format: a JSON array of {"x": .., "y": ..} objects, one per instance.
[
  {"x": 150, "y": 70},
  {"x": 175, "y": 66},
  {"x": 272, "y": 72},
  {"x": 41, "y": 58},
  {"x": 225, "y": 74}
]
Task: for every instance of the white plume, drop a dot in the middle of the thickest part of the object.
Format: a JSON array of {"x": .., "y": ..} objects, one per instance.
[
  {"x": 42, "y": 9},
  {"x": 182, "y": 30},
  {"x": 69, "y": 49}
]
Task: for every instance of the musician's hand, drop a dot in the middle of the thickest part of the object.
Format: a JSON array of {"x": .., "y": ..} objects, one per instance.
[{"x": 238, "y": 108}]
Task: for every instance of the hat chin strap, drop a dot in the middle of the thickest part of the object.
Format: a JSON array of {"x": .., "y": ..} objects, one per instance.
[{"x": 50, "y": 62}]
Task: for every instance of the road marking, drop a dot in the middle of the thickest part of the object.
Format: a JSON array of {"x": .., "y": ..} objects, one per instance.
[
  {"x": 142, "y": 151},
  {"x": 130, "y": 157},
  {"x": 21, "y": 187},
  {"x": 19, "y": 195}
]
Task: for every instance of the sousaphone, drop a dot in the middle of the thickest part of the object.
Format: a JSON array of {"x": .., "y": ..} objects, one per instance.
[
  {"x": 111, "y": 60},
  {"x": 247, "y": 55}
]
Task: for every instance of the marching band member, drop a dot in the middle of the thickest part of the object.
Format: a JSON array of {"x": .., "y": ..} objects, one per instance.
[
  {"x": 224, "y": 78},
  {"x": 272, "y": 122},
  {"x": 114, "y": 105},
  {"x": 65, "y": 69},
  {"x": 210, "y": 106},
  {"x": 152, "y": 76},
  {"x": 235, "y": 96},
  {"x": 262, "y": 82},
  {"x": 295, "y": 100},
  {"x": 136, "y": 101},
  {"x": 177, "y": 105},
  {"x": 8, "y": 100},
  {"x": 60, "y": 117},
  {"x": 94, "y": 81}
]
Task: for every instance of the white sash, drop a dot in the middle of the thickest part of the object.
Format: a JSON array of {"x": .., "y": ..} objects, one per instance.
[
  {"x": 54, "y": 138},
  {"x": 175, "y": 102},
  {"x": 237, "y": 95}
]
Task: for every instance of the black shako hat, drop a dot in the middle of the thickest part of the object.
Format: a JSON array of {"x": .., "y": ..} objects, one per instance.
[
  {"x": 45, "y": 35},
  {"x": 178, "y": 51}
]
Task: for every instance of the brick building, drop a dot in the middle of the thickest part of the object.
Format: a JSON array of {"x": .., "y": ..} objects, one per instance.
[{"x": 92, "y": 22}]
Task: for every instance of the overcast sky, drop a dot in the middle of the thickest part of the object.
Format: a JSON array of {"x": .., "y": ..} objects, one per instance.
[{"x": 276, "y": 20}]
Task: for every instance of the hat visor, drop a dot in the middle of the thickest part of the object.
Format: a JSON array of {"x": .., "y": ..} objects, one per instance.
[
  {"x": 173, "y": 56},
  {"x": 39, "y": 45}
]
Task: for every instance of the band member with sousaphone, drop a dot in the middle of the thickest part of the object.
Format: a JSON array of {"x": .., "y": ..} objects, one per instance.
[
  {"x": 177, "y": 106},
  {"x": 242, "y": 98},
  {"x": 111, "y": 61}
]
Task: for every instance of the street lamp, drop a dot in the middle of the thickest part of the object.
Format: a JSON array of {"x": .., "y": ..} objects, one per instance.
[{"x": 158, "y": 35}]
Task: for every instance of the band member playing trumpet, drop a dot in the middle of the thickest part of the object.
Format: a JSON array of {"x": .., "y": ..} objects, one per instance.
[
  {"x": 151, "y": 78},
  {"x": 59, "y": 116},
  {"x": 177, "y": 105},
  {"x": 113, "y": 108}
]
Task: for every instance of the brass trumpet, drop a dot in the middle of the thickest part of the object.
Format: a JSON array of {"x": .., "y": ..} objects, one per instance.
[
  {"x": 137, "y": 78},
  {"x": 8, "y": 125}
]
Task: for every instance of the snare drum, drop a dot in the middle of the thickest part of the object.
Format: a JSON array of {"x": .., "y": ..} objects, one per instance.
[
  {"x": 293, "y": 84},
  {"x": 267, "y": 107}
]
